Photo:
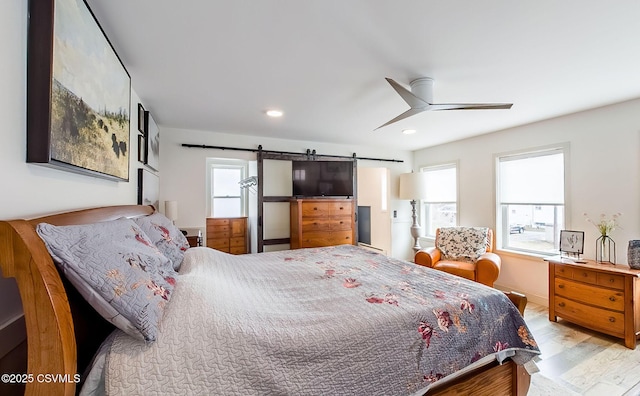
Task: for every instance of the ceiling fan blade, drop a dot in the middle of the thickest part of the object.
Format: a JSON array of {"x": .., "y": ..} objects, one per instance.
[
  {"x": 412, "y": 100},
  {"x": 470, "y": 106},
  {"x": 402, "y": 116}
]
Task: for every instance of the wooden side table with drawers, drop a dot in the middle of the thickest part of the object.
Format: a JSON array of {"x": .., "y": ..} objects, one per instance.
[{"x": 600, "y": 296}]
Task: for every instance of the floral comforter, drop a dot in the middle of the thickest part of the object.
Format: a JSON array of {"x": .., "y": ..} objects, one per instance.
[{"x": 334, "y": 321}]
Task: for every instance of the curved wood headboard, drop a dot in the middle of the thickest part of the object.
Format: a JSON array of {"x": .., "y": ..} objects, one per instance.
[{"x": 53, "y": 341}]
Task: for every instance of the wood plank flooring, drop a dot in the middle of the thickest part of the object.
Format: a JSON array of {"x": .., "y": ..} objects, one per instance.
[{"x": 578, "y": 361}]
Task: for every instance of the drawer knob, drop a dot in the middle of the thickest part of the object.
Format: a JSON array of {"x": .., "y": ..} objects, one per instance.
[
  {"x": 314, "y": 208},
  {"x": 611, "y": 280},
  {"x": 585, "y": 274},
  {"x": 561, "y": 304},
  {"x": 560, "y": 286},
  {"x": 612, "y": 319},
  {"x": 612, "y": 298}
]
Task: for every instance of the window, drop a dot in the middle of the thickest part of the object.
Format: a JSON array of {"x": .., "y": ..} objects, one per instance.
[
  {"x": 440, "y": 209},
  {"x": 530, "y": 200},
  {"x": 227, "y": 198}
]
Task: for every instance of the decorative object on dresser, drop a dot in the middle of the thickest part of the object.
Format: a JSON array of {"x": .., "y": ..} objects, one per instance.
[
  {"x": 473, "y": 259},
  {"x": 413, "y": 186},
  {"x": 633, "y": 254},
  {"x": 572, "y": 243},
  {"x": 605, "y": 246},
  {"x": 317, "y": 222},
  {"x": 600, "y": 296},
  {"x": 228, "y": 235}
]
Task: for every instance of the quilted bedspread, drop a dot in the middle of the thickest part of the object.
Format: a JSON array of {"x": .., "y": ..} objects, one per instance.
[{"x": 331, "y": 321}]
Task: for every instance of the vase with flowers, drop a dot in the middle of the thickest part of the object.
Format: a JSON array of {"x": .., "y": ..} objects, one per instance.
[{"x": 605, "y": 246}]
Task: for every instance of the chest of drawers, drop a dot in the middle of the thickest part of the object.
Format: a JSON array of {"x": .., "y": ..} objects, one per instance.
[
  {"x": 228, "y": 234},
  {"x": 322, "y": 222},
  {"x": 601, "y": 297}
]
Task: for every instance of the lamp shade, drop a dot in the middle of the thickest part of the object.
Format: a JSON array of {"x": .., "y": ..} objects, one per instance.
[
  {"x": 171, "y": 210},
  {"x": 413, "y": 186}
]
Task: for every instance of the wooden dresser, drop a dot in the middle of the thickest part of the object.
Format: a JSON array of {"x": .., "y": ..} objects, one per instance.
[
  {"x": 602, "y": 297},
  {"x": 322, "y": 222},
  {"x": 228, "y": 234}
]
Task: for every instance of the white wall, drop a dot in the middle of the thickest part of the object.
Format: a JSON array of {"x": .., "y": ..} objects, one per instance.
[
  {"x": 31, "y": 190},
  {"x": 183, "y": 172},
  {"x": 603, "y": 177}
]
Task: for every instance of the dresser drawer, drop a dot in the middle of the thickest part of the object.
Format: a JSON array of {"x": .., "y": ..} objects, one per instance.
[
  {"x": 317, "y": 224},
  {"x": 610, "y": 280},
  {"x": 317, "y": 239},
  {"x": 593, "y": 295},
  {"x": 235, "y": 242},
  {"x": 337, "y": 223},
  {"x": 218, "y": 243},
  {"x": 218, "y": 234},
  {"x": 579, "y": 274},
  {"x": 329, "y": 208},
  {"x": 237, "y": 250},
  {"x": 610, "y": 322},
  {"x": 217, "y": 222},
  {"x": 316, "y": 209}
]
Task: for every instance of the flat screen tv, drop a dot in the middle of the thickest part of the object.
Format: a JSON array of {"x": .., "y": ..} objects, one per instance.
[{"x": 322, "y": 178}]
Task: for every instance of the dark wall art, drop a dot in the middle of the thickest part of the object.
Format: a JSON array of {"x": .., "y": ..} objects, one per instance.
[
  {"x": 153, "y": 143},
  {"x": 148, "y": 188},
  {"x": 78, "y": 93}
]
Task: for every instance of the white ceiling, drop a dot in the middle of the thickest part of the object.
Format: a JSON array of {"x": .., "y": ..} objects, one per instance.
[{"x": 218, "y": 65}]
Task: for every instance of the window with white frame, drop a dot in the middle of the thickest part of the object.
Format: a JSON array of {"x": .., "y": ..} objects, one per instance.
[
  {"x": 227, "y": 197},
  {"x": 530, "y": 200},
  {"x": 440, "y": 208}
]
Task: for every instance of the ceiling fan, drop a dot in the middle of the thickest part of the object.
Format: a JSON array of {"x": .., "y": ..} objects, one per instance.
[{"x": 420, "y": 99}]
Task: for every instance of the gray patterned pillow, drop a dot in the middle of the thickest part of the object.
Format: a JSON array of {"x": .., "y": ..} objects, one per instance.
[
  {"x": 117, "y": 270},
  {"x": 166, "y": 236},
  {"x": 462, "y": 243}
]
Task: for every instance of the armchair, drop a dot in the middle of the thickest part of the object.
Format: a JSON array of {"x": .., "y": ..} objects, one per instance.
[{"x": 463, "y": 251}]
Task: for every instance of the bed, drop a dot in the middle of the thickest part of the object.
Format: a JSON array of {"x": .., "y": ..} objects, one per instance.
[{"x": 336, "y": 320}]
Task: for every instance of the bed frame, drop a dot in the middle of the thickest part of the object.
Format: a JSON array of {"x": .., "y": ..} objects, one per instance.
[{"x": 63, "y": 331}]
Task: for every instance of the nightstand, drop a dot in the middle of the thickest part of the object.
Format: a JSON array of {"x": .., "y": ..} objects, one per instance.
[{"x": 194, "y": 236}]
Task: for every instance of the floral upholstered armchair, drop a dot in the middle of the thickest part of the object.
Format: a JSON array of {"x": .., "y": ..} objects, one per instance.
[{"x": 463, "y": 251}]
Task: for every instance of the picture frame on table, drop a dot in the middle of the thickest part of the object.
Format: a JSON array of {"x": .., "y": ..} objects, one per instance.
[
  {"x": 571, "y": 242},
  {"x": 78, "y": 93}
]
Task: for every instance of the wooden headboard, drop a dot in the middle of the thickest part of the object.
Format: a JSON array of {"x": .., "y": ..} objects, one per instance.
[{"x": 63, "y": 332}]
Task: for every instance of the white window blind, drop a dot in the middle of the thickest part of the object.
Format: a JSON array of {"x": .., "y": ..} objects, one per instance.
[{"x": 532, "y": 179}]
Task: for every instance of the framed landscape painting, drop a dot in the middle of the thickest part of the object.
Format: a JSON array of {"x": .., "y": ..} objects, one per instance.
[
  {"x": 78, "y": 93},
  {"x": 153, "y": 143}
]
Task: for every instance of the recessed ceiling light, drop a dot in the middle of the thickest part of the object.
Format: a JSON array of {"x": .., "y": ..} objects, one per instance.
[
  {"x": 409, "y": 131},
  {"x": 274, "y": 113}
]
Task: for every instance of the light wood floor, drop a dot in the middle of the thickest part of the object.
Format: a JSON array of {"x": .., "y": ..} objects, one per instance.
[{"x": 578, "y": 361}]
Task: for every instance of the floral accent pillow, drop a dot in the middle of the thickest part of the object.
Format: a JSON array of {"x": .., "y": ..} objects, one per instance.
[
  {"x": 117, "y": 270},
  {"x": 165, "y": 236},
  {"x": 462, "y": 243}
]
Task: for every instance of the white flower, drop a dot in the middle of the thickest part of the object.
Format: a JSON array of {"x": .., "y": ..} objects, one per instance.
[{"x": 605, "y": 225}]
